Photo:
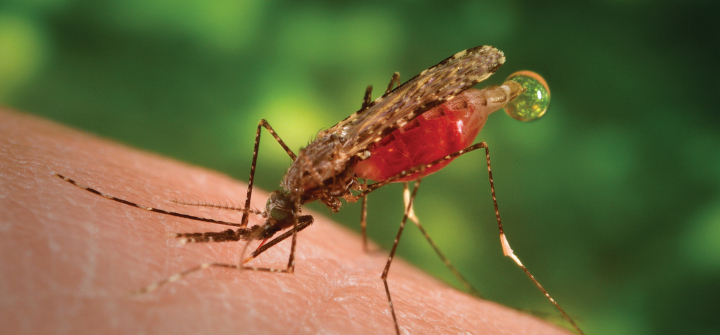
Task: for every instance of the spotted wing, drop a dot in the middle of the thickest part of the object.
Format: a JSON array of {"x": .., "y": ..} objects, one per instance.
[{"x": 428, "y": 89}]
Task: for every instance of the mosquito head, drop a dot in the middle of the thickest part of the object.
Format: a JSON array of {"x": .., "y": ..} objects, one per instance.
[{"x": 281, "y": 209}]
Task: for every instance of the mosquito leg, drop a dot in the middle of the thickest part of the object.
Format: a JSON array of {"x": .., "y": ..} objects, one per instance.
[
  {"x": 291, "y": 259},
  {"x": 394, "y": 81},
  {"x": 151, "y": 209},
  {"x": 222, "y": 236},
  {"x": 217, "y": 206},
  {"x": 363, "y": 214},
  {"x": 266, "y": 125},
  {"x": 154, "y": 286},
  {"x": 229, "y": 235},
  {"x": 303, "y": 222},
  {"x": 445, "y": 260},
  {"x": 363, "y": 221},
  {"x": 392, "y": 254},
  {"x": 367, "y": 99},
  {"x": 507, "y": 251}
]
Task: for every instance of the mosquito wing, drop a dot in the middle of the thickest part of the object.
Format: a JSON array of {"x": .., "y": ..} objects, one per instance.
[{"x": 428, "y": 89}]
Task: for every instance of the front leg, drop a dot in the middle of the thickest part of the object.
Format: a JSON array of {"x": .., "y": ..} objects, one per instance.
[{"x": 262, "y": 124}]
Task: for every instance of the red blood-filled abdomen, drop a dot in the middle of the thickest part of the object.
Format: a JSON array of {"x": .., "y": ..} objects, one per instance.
[{"x": 436, "y": 133}]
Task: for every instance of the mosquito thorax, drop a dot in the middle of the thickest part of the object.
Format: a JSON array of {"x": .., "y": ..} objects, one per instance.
[{"x": 321, "y": 172}]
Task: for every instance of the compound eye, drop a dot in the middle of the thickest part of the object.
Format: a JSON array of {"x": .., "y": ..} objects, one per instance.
[{"x": 279, "y": 215}]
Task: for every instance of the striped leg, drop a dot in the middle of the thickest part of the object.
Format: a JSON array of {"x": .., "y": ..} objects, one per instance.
[
  {"x": 507, "y": 250},
  {"x": 363, "y": 220},
  {"x": 154, "y": 286},
  {"x": 445, "y": 260},
  {"x": 151, "y": 209},
  {"x": 304, "y": 222},
  {"x": 384, "y": 275},
  {"x": 241, "y": 233},
  {"x": 262, "y": 124}
]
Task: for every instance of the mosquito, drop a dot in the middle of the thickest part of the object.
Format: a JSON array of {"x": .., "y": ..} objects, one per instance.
[{"x": 413, "y": 130}]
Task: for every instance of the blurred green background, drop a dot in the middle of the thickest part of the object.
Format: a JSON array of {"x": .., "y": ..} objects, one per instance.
[{"x": 612, "y": 199}]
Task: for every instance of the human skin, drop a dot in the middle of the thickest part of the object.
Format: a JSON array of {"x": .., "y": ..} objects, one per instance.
[{"x": 71, "y": 259}]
